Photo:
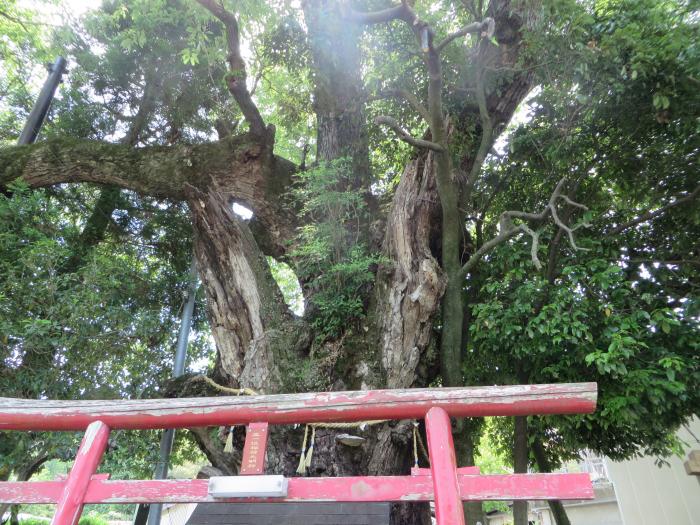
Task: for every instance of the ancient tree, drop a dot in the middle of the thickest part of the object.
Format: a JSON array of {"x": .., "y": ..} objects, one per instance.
[{"x": 421, "y": 239}]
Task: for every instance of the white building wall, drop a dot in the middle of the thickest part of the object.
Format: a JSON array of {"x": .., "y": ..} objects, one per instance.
[
  {"x": 596, "y": 513},
  {"x": 652, "y": 495},
  {"x": 602, "y": 510}
]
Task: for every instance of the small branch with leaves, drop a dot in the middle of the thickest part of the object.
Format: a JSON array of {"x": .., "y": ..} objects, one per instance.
[{"x": 650, "y": 215}]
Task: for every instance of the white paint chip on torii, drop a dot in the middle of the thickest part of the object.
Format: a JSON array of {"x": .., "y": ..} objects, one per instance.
[{"x": 248, "y": 486}]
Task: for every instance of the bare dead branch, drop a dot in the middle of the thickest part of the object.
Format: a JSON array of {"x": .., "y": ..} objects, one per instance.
[
  {"x": 486, "y": 28},
  {"x": 236, "y": 78},
  {"x": 403, "y": 134},
  {"x": 507, "y": 229},
  {"x": 569, "y": 231},
  {"x": 535, "y": 244},
  {"x": 557, "y": 220},
  {"x": 653, "y": 214},
  {"x": 573, "y": 203}
]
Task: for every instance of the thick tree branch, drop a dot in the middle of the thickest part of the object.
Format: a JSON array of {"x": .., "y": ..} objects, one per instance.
[
  {"x": 158, "y": 171},
  {"x": 485, "y": 27},
  {"x": 486, "y": 142},
  {"x": 236, "y": 78},
  {"x": 240, "y": 168},
  {"x": 403, "y": 135},
  {"x": 653, "y": 214},
  {"x": 489, "y": 245}
]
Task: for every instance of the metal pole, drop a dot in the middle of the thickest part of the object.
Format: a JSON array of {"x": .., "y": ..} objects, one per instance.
[
  {"x": 41, "y": 107},
  {"x": 166, "y": 441},
  {"x": 185, "y": 323}
]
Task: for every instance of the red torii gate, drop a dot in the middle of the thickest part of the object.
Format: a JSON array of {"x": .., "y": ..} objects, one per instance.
[{"x": 444, "y": 482}]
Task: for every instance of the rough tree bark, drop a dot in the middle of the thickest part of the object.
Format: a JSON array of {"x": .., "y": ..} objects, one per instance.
[
  {"x": 407, "y": 292},
  {"x": 455, "y": 184},
  {"x": 339, "y": 99},
  {"x": 252, "y": 344}
]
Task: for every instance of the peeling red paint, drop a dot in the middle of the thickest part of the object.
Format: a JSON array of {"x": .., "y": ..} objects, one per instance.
[
  {"x": 27, "y": 414},
  {"x": 360, "y": 489},
  {"x": 443, "y": 467},
  {"x": 343, "y": 489},
  {"x": 70, "y": 503},
  {"x": 443, "y": 482}
]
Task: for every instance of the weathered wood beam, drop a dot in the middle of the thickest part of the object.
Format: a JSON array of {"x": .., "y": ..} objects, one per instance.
[
  {"x": 347, "y": 489},
  {"x": 33, "y": 414}
]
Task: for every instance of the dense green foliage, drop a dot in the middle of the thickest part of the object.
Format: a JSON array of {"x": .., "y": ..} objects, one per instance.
[
  {"x": 89, "y": 305},
  {"x": 334, "y": 262},
  {"x": 624, "y": 312},
  {"x": 103, "y": 330}
]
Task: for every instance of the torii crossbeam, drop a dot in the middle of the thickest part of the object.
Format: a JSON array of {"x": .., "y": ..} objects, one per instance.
[{"x": 444, "y": 482}]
